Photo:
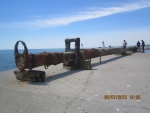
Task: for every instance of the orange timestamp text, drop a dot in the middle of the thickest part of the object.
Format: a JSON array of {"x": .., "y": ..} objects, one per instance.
[{"x": 122, "y": 97}]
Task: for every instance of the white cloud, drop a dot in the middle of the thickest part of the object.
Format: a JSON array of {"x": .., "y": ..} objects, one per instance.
[{"x": 81, "y": 16}]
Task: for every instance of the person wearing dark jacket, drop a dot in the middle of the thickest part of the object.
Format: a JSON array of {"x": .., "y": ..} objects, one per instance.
[
  {"x": 143, "y": 45},
  {"x": 138, "y": 44}
]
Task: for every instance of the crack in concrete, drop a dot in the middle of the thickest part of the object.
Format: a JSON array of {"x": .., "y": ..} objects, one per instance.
[{"x": 77, "y": 97}]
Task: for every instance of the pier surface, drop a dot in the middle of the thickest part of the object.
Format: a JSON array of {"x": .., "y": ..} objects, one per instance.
[{"x": 119, "y": 84}]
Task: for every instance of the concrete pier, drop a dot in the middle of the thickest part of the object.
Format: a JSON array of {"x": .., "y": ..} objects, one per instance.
[{"x": 119, "y": 84}]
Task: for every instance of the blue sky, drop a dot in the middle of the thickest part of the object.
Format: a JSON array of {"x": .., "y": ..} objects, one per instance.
[{"x": 46, "y": 23}]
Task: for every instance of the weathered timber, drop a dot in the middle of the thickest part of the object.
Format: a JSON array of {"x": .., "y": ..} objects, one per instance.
[{"x": 34, "y": 75}]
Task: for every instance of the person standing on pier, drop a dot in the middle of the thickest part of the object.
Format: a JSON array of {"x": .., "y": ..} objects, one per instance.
[
  {"x": 138, "y": 45},
  {"x": 124, "y": 44},
  {"x": 143, "y": 45}
]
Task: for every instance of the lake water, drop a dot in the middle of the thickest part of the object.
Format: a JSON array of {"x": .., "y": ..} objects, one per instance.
[{"x": 147, "y": 51}]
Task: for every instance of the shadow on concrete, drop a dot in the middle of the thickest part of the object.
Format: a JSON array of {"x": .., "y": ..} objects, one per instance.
[
  {"x": 70, "y": 72},
  {"x": 55, "y": 77},
  {"x": 61, "y": 75},
  {"x": 107, "y": 61}
]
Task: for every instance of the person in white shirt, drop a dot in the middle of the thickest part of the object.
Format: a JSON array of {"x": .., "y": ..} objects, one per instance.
[{"x": 124, "y": 44}]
